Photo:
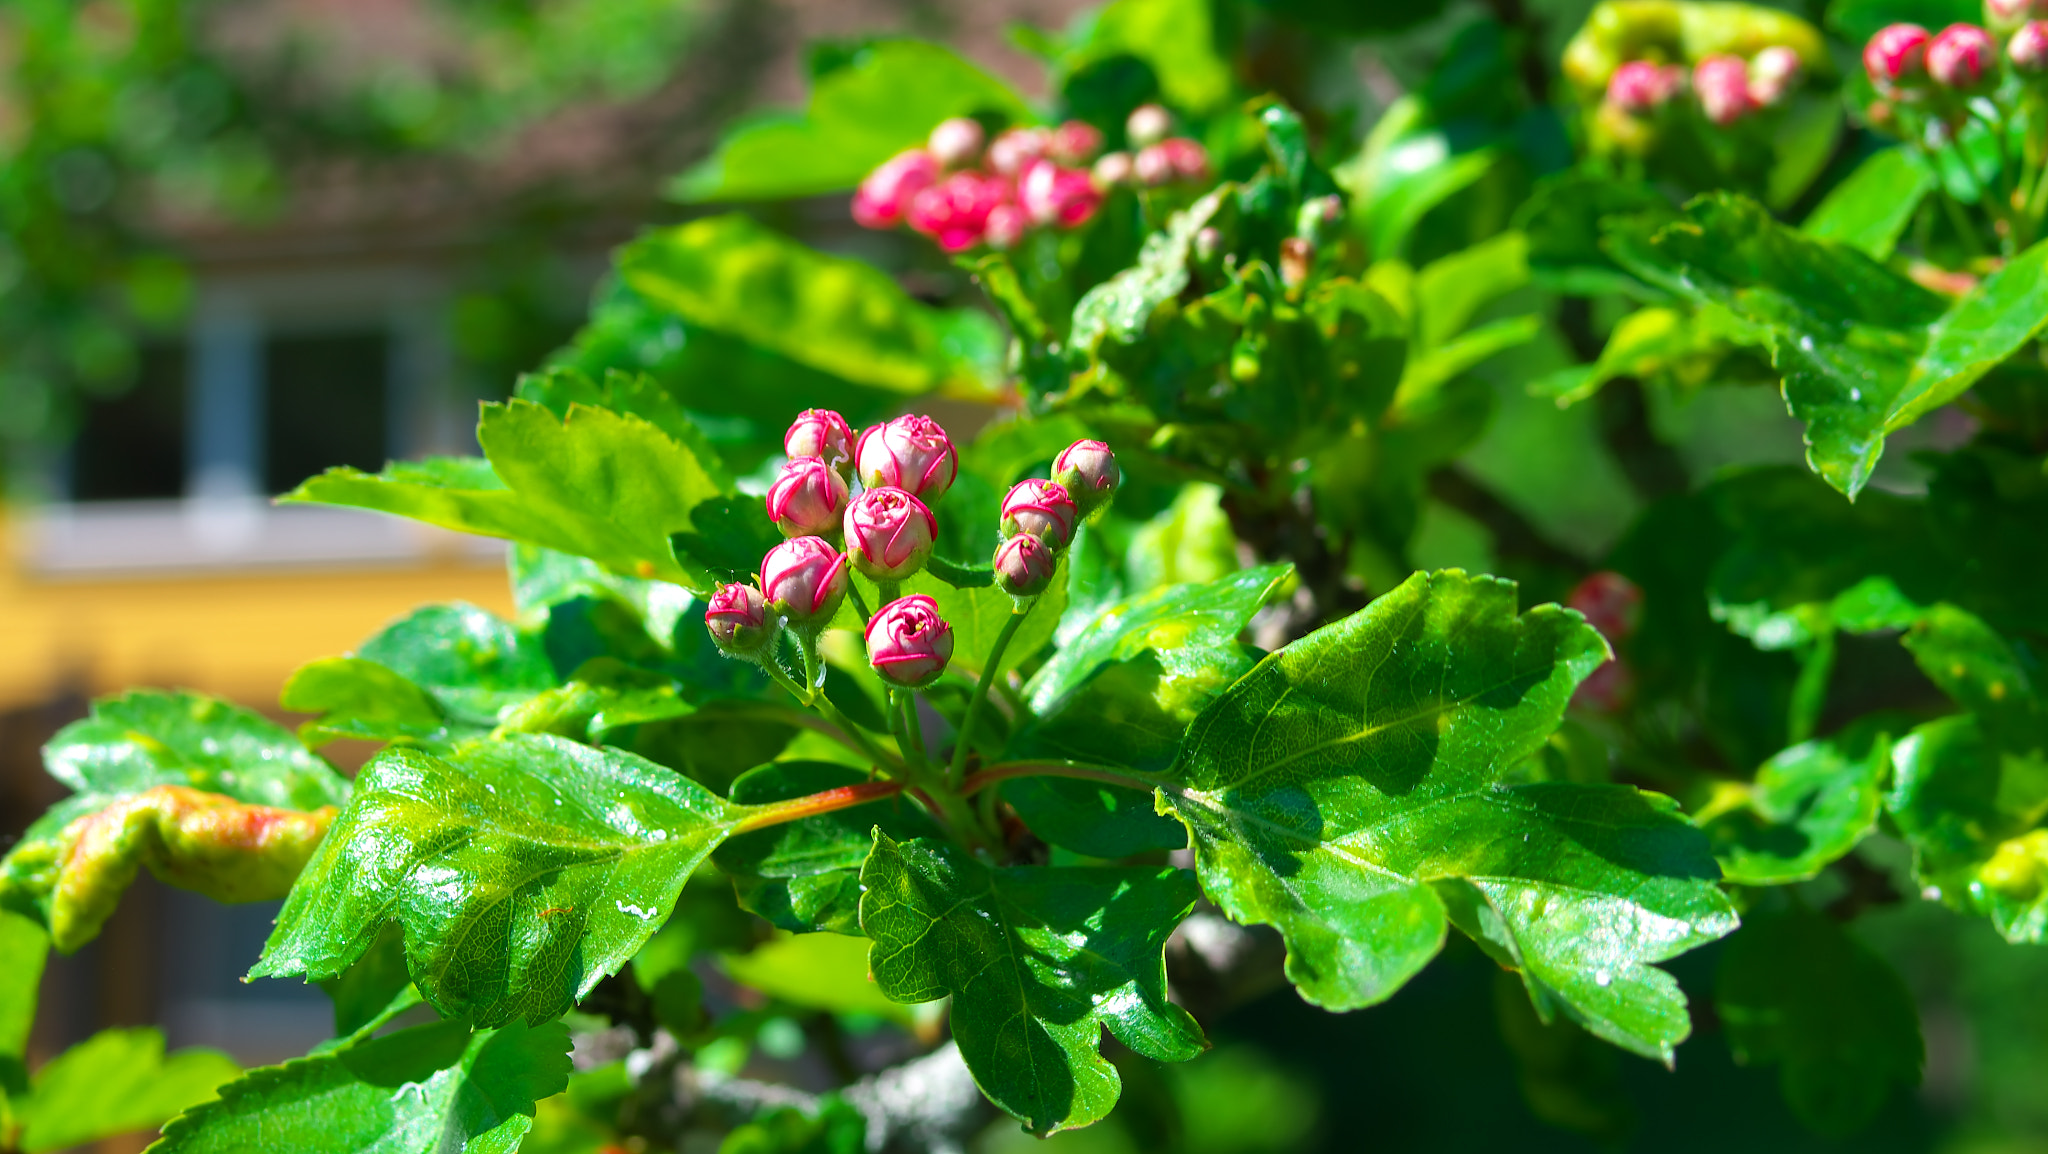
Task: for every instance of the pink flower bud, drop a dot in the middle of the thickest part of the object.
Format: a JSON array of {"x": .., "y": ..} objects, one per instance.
[
  {"x": 1024, "y": 565},
  {"x": 955, "y": 211},
  {"x": 1190, "y": 159},
  {"x": 1896, "y": 57},
  {"x": 910, "y": 453},
  {"x": 884, "y": 196},
  {"x": 1773, "y": 74},
  {"x": 807, "y": 498},
  {"x": 1113, "y": 170},
  {"x": 1208, "y": 245},
  {"x": 1006, "y": 226},
  {"x": 1148, "y": 125},
  {"x": 804, "y": 579},
  {"x": 955, "y": 143},
  {"x": 1297, "y": 257},
  {"x": 2029, "y": 48},
  {"x": 823, "y": 434},
  {"x": 1607, "y": 689},
  {"x": 2010, "y": 15},
  {"x": 1153, "y": 167},
  {"x": 1963, "y": 57},
  {"x": 889, "y": 533},
  {"x": 1088, "y": 471},
  {"x": 1016, "y": 148},
  {"x": 738, "y": 621},
  {"x": 1043, "y": 509},
  {"x": 1640, "y": 87},
  {"x": 909, "y": 644},
  {"x": 1722, "y": 83},
  {"x": 1066, "y": 197},
  {"x": 1076, "y": 142},
  {"x": 1610, "y": 602}
]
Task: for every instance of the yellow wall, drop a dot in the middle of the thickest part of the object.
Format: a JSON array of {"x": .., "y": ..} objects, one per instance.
[{"x": 237, "y": 635}]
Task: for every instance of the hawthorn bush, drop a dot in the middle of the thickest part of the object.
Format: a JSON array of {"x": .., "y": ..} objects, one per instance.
[{"x": 907, "y": 689}]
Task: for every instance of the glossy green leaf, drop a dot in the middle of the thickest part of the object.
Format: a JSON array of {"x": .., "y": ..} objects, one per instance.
[
  {"x": 1873, "y": 204},
  {"x": 544, "y": 578},
  {"x": 115, "y": 1082},
  {"x": 1809, "y": 806},
  {"x": 600, "y": 485},
  {"x": 145, "y": 738},
  {"x": 805, "y": 875},
  {"x": 524, "y": 870},
  {"x": 1176, "y": 37},
  {"x": 885, "y": 100},
  {"x": 628, "y": 394},
  {"x": 841, "y": 316},
  {"x": 1119, "y": 308},
  {"x": 1990, "y": 677},
  {"x": 433, "y": 1089},
  {"x": 360, "y": 699},
  {"x": 1038, "y": 961},
  {"x": 1347, "y": 791},
  {"x": 1562, "y": 220},
  {"x": 1795, "y": 990},
  {"x": 24, "y": 948},
  {"x": 1864, "y": 351}
]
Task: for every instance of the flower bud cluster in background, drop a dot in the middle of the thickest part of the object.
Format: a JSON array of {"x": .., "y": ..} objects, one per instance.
[
  {"x": 964, "y": 191},
  {"x": 1915, "y": 70},
  {"x": 1725, "y": 88}
]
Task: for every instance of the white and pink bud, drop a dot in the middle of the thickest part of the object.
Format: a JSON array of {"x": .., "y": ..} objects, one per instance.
[
  {"x": 807, "y": 499},
  {"x": 1044, "y": 509},
  {"x": 2028, "y": 49},
  {"x": 804, "y": 579},
  {"x": 955, "y": 211},
  {"x": 911, "y": 453},
  {"x": 1773, "y": 74},
  {"x": 1007, "y": 224},
  {"x": 1722, "y": 84},
  {"x": 1114, "y": 170},
  {"x": 1963, "y": 58},
  {"x": 823, "y": 434},
  {"x": 1896, "y": 57},
  {"x": 2008, "y": 16},
  {"x": 1019, "y": 146},
  {"x": 1066, "y": 197},
  {"x": 956, "y": 143},
  {"x": 1174, "y": 159},
  {"x": 1641, "y": 87},
  {"x": 889, "y": 534},
  {"x": 883, "y": 199},
  {"x": 1088, "y": 471},
  {"x": 1147, "y": 125},
  {"x": 908, "y": 642},
  {"x": 1075, "y": 143},
  {"x": 1025, "y": 565},
  {"x": 738, "y": 621}
]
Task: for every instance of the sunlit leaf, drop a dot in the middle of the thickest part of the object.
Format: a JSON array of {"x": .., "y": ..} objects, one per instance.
[{"x": 115, "y": 1082}]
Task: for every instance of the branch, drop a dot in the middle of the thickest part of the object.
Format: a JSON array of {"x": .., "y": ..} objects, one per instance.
[{"x": 1515, "y": 537}]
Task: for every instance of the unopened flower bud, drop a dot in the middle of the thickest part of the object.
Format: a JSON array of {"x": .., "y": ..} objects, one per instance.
[
  {"x": 2029, "y": 49},
  {"x": 804, "y": 579},
  {"x": 1608, "y": 689},
  {"x": 889, "y": 533},
  {"x": 1319, "y": 217},
  {"x": 1896, "y": 57},
  {"x": 1640, "y": 87},
  {"x": 1066, "y": 197},
  {"x": 1076, "y": 142},
  {"x": 909, "y": 644},
  {"x": 1611, "y": 603},
  {"x": 1722, "y": 83},
  {"x": 1043, "y": 509},
  {"x": 910, "y": 453},
  {"x": 1113, "y": 170},
  {"x": 738, "y": 621},
  {"x": 956, "y": 143},
  {"x": 1189, "y": 159},
  {"x": 1088, "y": 471},
  {"x": 1963, "y": 58},
  {"x": 1773, "y": 74},
  {"x": 1297, "y": 257},
  {"x": 2010, "y": 15},
  {"x": 955, "y": 211},
  {"x": 823, "y": 434},
  {"x": 807, "y": 499},
  {"x": 884, "y": 197},
  {"x": 1208, "y": 245},
  {"x": 1016, "y": 148},
  {"x": 1006, "y": 226},
  {"x": 1024, "y": 565},
  {"x": 1148, "y": 124}
]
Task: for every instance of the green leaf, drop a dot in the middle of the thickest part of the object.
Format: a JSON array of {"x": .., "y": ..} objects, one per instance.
[
  {"x": 524, "y": 870},
  {"x": 1450, "y": 291},
  {"x": 24, "y": 948},
  {"x": 145, "y": 738},
  {"x": 1562, "y": 219},
  {"x": 977, "y": 615},
  {"x": 436, "y": 1088},
  {"x": 1873, "y": 205},
  {"x": 360, "y": 699},
  {"x": 1863, "y": 350},
  {"x": 820, "y": 972},
  {"x": 1347, "y": 791},
  {"x": 1797, "y": 991},
  {"x": 544, "y": 578},
  {"x": 1119, "y": 308},
  {"x": 1984, "y": 674},
  {"x": 1809, "y": 806},
  {"x": 886, "y": 100},
  {"x": 835, "y": 1128},
  {"x": 628, "y": 394},
  {"x": 1176, "y": 37},
  {"x": 838, "y": 315},
  {"x": 1038, "y": 961},
  {"x": 600, "y": 485},
  {"x": 115, "y": 1082},
  {"x": 805, "y": 875}
]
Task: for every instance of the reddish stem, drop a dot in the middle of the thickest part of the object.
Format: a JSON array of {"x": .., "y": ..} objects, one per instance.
[
  {"x": 810, "y": 805},
  {"x": 1004, "y": 772}
]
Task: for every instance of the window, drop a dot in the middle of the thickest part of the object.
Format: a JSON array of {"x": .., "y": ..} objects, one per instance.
[
  {"x": 325, "y": 402},
  {"x": 132, "y": 446}
]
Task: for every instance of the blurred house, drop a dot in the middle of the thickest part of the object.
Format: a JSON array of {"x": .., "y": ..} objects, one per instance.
[{"x": 328, "y": 336}]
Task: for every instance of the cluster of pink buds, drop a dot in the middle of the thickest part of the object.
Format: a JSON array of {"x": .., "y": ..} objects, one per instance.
[
  {"x": 1727, "y": 87},
  {"x": 1612, "y": 604},
  {"x": 1039, "y": 516},
  {"x": 962, "y": 195},
  {"x": 1908, "y": 63},
  {"x": 1160, "y": 158}
]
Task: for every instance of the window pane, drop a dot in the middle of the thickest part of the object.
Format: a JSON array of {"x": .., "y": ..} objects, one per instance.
[
  {"x": 324, "y": 402},
  {"x": 133, "y": 446}
]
